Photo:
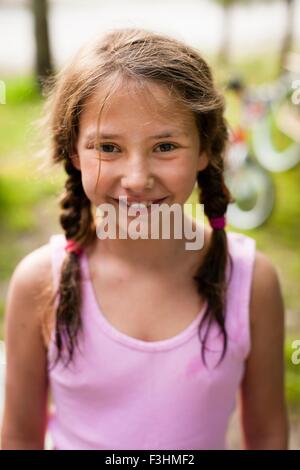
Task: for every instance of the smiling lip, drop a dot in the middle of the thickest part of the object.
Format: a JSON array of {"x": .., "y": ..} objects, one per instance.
[{"x": 137, "y": 201}]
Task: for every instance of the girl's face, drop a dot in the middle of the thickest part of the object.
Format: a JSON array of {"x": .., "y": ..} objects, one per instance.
[{"x": 149, "y": 146}]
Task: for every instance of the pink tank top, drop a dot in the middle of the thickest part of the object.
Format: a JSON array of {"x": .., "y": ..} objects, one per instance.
[{"x": 125, "y": 393}]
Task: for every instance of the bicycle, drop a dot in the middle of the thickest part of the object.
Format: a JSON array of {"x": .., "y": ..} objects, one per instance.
[
  {"x": 250, "y": 185},
  {"x": 251, "y": 155}
]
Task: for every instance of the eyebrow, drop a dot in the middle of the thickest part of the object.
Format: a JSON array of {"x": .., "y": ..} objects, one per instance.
[{"x": 163, "y": 135}]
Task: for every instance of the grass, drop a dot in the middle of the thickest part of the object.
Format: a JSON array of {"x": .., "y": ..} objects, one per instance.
[
  {"x": 22, "y": 101},
  {"x": 23, "y": 189},
  {"x": 17, "y": 196},
  {"x": 292, "y": 372},
  {"x": 255, "y": 69}
]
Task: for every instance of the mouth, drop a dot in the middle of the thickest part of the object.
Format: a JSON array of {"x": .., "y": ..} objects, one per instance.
[{"x": 142, "y": 204}]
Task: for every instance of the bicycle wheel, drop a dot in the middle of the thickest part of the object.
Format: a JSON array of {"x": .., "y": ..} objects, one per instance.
[
  {"x": 254, "y": 194},
  {"x": 270, "y": 158}
]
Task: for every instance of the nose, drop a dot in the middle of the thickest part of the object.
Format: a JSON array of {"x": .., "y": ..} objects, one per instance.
[{"x": 137, "y": 176}]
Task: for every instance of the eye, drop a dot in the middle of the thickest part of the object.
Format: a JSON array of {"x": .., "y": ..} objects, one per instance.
[
  {"x": 166, "y": 146},
  {"x": 106, "y": 148}
]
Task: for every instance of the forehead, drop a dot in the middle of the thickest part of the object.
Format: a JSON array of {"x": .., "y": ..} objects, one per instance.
[{"x": 142, "y": 104}]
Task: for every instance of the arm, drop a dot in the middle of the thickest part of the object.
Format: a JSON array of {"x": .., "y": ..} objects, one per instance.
[
  {"x": 262, "y": 400},
  {"x": 26, "y": 385}
]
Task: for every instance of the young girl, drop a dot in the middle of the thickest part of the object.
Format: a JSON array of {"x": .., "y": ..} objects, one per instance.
[{"x": 142, "y": 343}]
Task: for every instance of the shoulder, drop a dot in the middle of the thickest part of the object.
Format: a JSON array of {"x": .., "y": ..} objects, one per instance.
[
  {"x": 33, "y": 271},
  {"x": 30, "y": 290},
  {"x": 266, "y": 303},
  {"x": 26, "y": 372},
  {"x": 263, "y": 408},
  {"x": 265, "y": 273}
]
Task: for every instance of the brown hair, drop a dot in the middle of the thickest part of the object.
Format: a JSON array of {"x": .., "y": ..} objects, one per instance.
[{"x": 140, "y": 55}]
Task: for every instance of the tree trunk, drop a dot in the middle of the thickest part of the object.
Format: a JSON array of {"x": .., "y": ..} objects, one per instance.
[
  {"x": 43, "y": 61},
  {"x": 287, "y": 42},
  {"x": 224, "y": 51}
]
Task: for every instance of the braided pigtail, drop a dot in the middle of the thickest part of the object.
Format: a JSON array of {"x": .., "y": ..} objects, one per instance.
[
  {"x": 77, "y": 221},
  {"x": 215, "y": 196}
]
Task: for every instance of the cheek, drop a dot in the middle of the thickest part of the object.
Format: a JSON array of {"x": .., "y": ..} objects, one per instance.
[
  {"x": 182, "y": 178},
  {"x": 91, "y": 182}
]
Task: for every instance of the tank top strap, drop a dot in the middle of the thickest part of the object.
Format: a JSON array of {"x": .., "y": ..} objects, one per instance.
[
  {"x": 242, "y": 249},
  {"x": 57, "y": 248}
]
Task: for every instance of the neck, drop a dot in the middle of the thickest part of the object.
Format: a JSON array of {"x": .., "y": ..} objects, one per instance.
[{"x": 153, "y": 253}]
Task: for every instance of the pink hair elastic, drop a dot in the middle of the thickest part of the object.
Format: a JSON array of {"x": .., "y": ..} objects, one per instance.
[
  {"x": 73, "y": 247},
  {"x": 218, "y": 223}
]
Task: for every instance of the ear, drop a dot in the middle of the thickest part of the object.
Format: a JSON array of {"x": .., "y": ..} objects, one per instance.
[
  {"x": 76, "y": 161},
  {"x": 203, "y": 161}
]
